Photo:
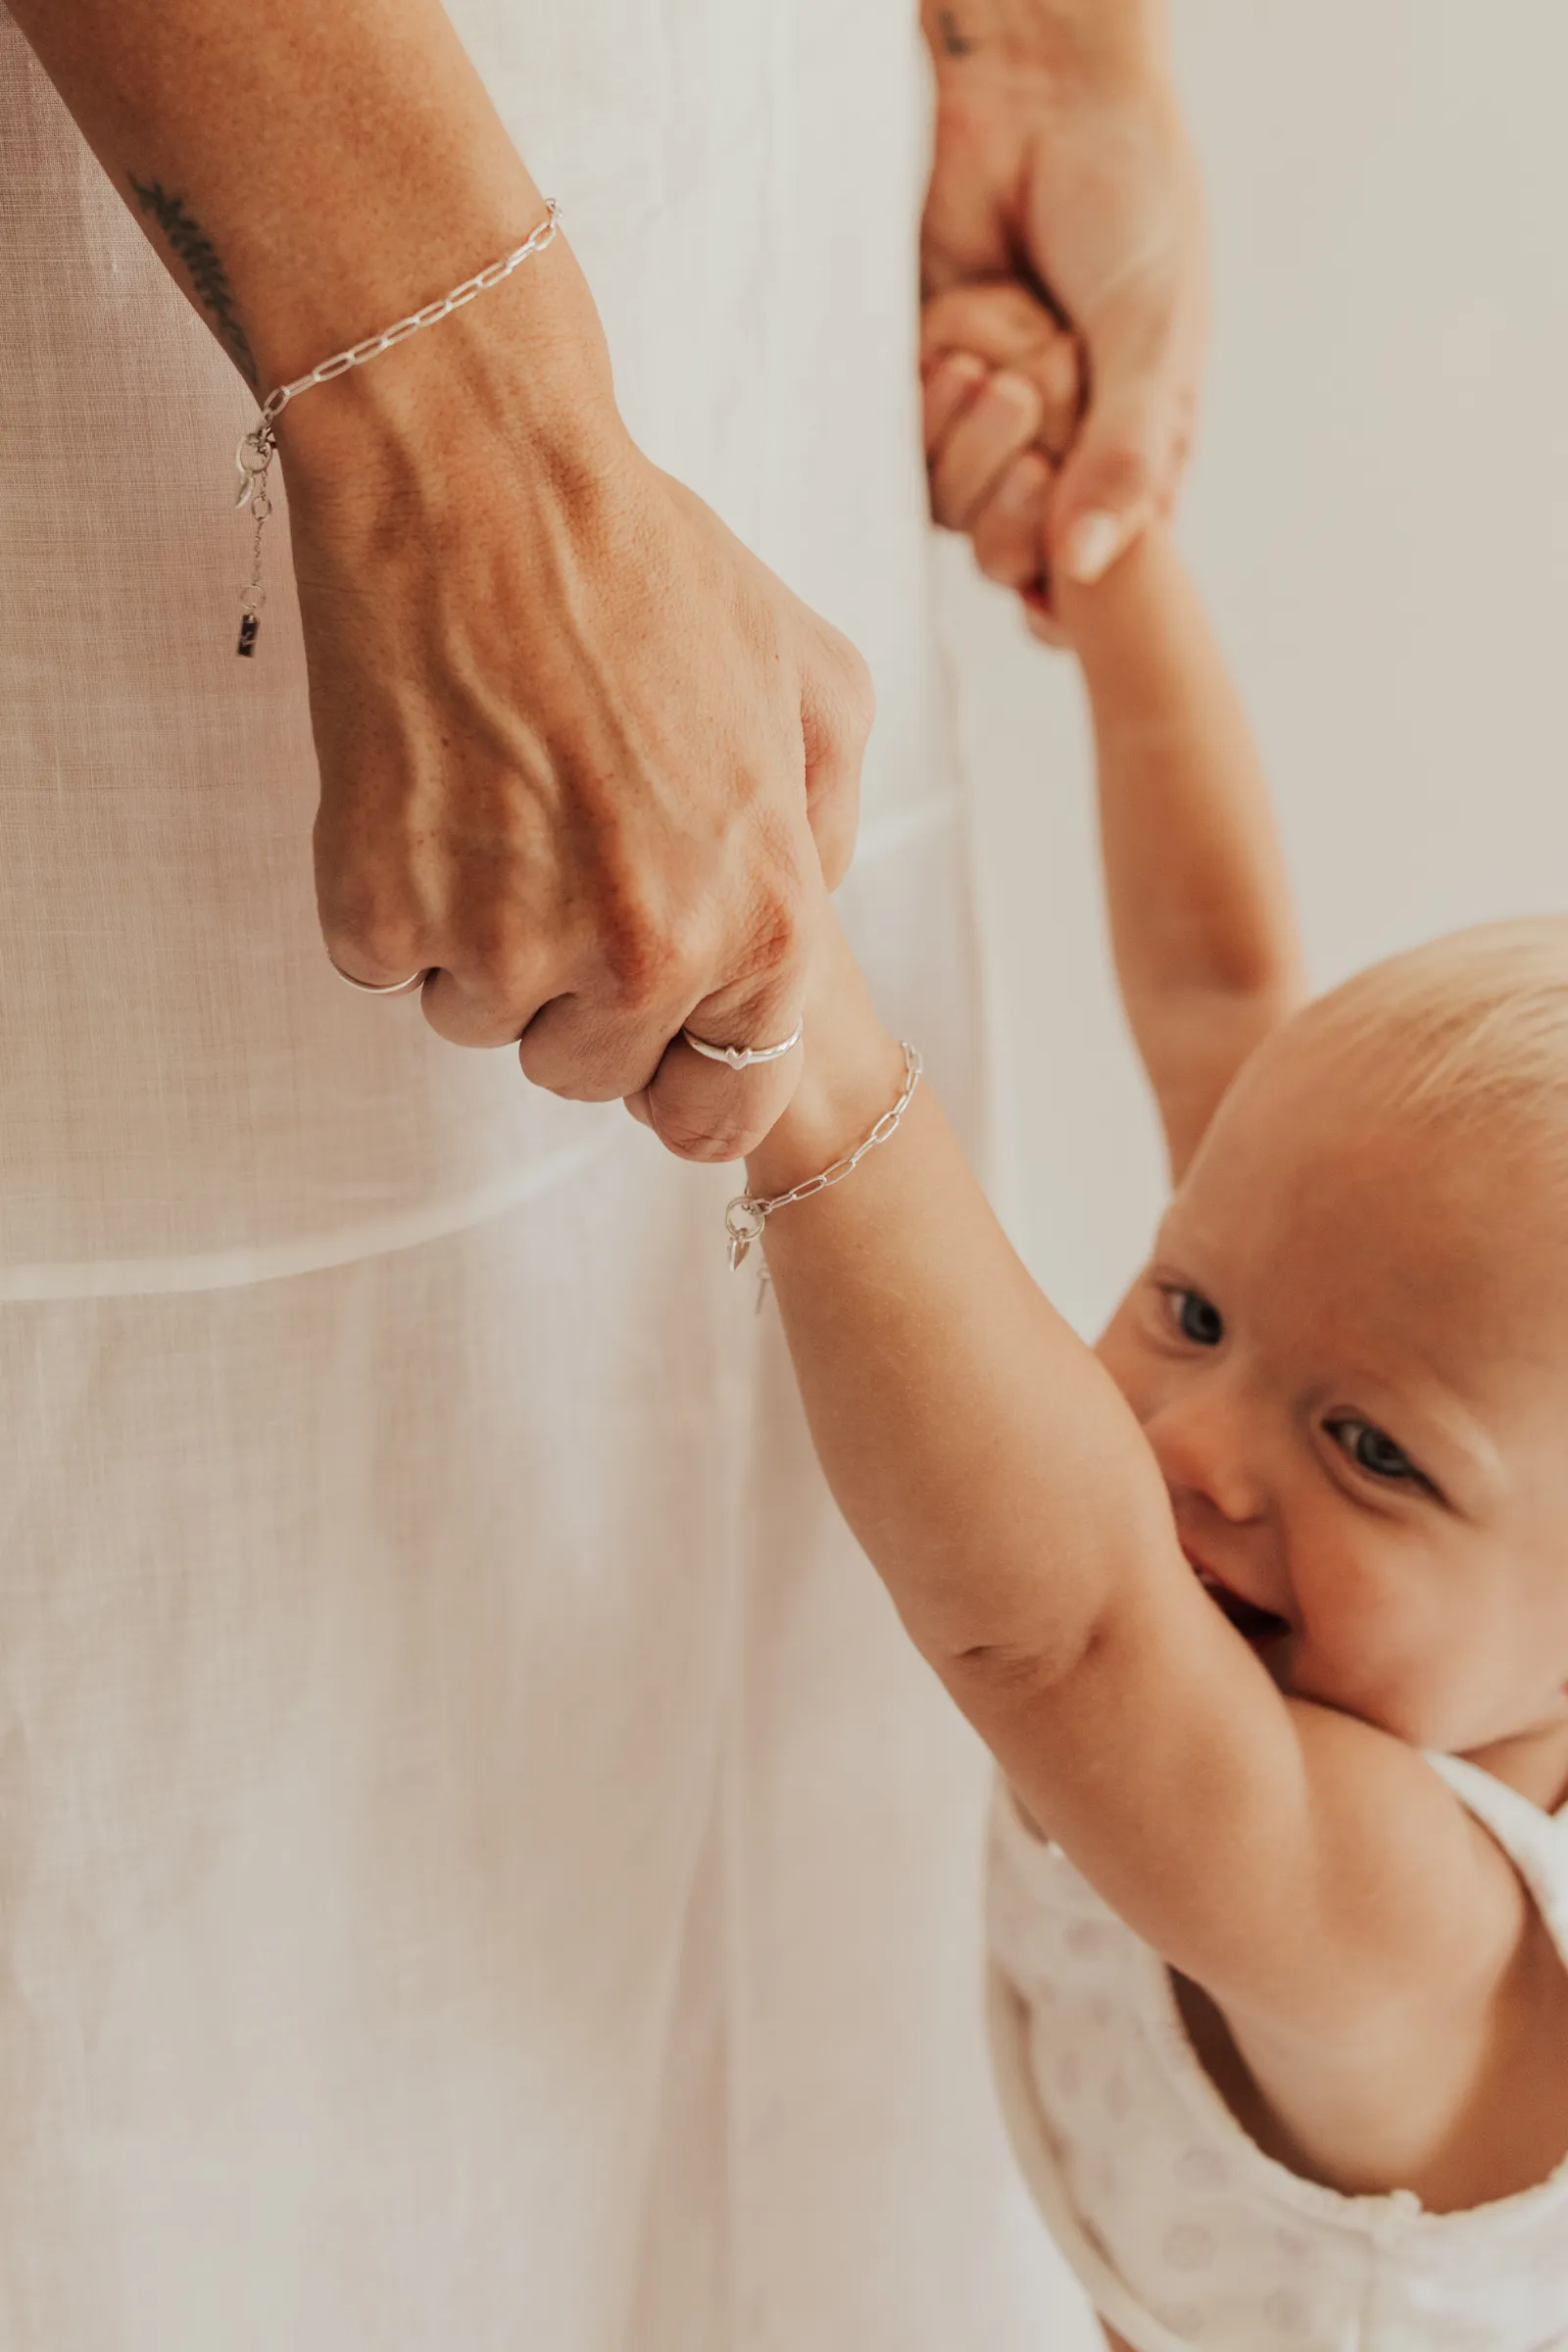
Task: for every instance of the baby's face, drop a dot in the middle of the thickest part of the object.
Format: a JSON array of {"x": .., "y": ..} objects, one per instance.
[{"x": 1349, "y": 1354}]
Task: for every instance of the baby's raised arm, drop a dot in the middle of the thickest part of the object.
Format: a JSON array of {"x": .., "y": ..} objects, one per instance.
[
  {"x": 1002, "y": 1486},
  {"x": 1000, "y": 1483},
  {"x": 1201, "y": 922},
  {"x": 1201, "y": 915}
]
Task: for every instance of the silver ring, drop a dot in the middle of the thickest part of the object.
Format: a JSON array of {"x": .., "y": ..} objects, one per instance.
[
  {"x": 366, "y": 988},
  {"x": 744, "y": 1057}
]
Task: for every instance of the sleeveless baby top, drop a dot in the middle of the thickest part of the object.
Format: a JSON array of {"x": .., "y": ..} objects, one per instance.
[{"x": 1182, "y": 2230}]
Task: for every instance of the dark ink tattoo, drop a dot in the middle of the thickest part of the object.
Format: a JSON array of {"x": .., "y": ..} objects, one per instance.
[
  {"x": 956, "y": 42},
  {"x": 206, "y": 273}
]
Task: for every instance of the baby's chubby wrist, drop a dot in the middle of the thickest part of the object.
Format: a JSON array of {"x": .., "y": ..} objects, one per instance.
[{"x": 854, "y": 1070}]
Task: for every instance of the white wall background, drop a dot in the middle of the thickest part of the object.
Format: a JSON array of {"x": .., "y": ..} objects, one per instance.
[{"x": 1379, "y": 516}]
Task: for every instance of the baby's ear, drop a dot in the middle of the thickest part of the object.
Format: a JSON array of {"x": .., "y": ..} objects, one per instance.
[{"x": 1007, "y": 327}]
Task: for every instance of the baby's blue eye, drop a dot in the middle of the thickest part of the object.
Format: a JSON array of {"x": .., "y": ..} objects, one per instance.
[
  {"x": 1195, "y": 1317},
  {"x": 1373, "y": 1450}
]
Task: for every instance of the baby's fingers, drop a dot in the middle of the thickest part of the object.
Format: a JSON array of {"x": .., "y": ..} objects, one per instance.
[
  {"x": 1008, "y": 531},
  {"x": 968, "y": 460},
  {"x": 1011, "y": 330},
  {"x": 951, "y": 380}
]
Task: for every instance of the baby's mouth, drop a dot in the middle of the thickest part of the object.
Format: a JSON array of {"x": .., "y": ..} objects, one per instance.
[{"x": 1252, "y": 1621}]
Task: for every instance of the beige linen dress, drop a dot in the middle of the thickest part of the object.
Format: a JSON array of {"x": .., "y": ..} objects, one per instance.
[{"x": 477, "y": 1867}]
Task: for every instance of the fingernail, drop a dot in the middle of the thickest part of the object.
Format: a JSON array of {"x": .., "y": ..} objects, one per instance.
[{"x": 1092, "y": 546}]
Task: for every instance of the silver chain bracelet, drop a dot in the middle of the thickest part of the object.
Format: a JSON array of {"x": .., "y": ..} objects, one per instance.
[
  {"x": 747, "y": 1214},
  {"x": 259, "y": 447}
]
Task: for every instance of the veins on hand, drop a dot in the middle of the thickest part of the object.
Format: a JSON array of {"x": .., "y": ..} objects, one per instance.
[
  {"x": 208, "y": 275},
  {"x": 956, "y": 42}
]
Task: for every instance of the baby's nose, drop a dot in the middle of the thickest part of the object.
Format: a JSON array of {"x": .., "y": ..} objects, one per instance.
[{"x": 1204, "y": 1450}]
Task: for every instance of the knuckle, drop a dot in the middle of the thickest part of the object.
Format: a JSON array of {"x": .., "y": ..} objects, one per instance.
[
  {"x": 861, "y": 692},
  {"x": 835, "y": 828},
  {"x": 1005, "y": 559},
  {"x": 942, "y": 320},
  {"x": 1121, "y": 472},
  {"x": 645, "y": 949},
  {"x": 945, "y": 512},
  {"x": 500, "y": 959},
  {"x": 1013, "y": 414},
  {"x": 951, "y": 482},
  {"x": 369, "y": 919},
  {"x": 580, "y": 1085},
  {"x": 833, "y": 810},
  {"x": 773, "y": 926},
  {"x": 853, "y": 690},
  {"x": 689, "y": 1142},
  {"x": 541, "y": 1063},
  {"x": 371, "y": 940}
]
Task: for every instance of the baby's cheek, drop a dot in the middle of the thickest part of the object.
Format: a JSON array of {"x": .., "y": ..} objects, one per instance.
[
  {"x": 1340, "y": 1597},
  {"x": 1374, "y": 1637}
]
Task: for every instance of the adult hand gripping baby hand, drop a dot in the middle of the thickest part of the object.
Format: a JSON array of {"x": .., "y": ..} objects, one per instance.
[
  {"x": 1004, "y": 392},
  {"x": 583, "y": 757},
  {"x": 584, "y": 760},
  {"x": 1062, "y": 167}
]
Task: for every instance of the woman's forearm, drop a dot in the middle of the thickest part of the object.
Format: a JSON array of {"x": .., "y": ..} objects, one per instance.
[{"x": 310, "y": 173}]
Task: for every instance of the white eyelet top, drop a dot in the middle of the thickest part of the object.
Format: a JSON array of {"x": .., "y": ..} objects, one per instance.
[{"x": 1179, "y": 2226}]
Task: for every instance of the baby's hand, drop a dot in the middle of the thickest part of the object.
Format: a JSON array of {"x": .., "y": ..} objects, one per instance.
[{"x": 1004, "y": 392}]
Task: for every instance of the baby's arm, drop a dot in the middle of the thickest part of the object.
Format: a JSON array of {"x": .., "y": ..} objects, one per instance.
[
  {"x": 1299, "y": 1865},
  {"x": 1200, "y": 916}
]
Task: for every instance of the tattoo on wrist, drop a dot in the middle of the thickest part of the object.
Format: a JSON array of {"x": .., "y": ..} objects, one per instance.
[
  {"x": 208, "y": 275},
  {"x": 1056, "y": 37}
]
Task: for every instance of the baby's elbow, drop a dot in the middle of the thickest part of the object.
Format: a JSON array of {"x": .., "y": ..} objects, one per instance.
[{"x": 1011, "y": 1669}]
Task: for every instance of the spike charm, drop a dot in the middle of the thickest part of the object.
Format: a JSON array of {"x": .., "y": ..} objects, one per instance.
[{"x": 744, "y": 1220}]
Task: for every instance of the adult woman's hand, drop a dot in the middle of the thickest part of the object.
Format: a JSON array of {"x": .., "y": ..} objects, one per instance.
[
  {"x": 1062, "y": 164},
  {"x": 582, "y": 756}
]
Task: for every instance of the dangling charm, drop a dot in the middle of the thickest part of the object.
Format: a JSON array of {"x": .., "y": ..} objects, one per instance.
[
  {"x": 253, "y": 458},
  {"x": 744, "y": 1220},
  {"x": 251, "y": 461}
]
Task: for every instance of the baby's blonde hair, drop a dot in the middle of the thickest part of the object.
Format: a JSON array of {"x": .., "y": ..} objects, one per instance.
[{"x": 1470, "y": 1027}]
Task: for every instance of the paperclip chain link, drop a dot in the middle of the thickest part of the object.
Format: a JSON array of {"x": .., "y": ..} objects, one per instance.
[{"x": 747, "y": 1214}]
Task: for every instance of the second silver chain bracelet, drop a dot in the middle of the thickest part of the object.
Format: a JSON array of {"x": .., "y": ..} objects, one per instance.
[
  {"x": 258, "y": 447},
  {"x": 748, "y": 1213}
]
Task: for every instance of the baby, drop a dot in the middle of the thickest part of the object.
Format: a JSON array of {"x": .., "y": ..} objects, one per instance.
[{"x": 1261, "y": 1604}]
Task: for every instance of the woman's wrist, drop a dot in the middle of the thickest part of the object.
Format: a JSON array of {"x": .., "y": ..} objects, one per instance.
[
  {"x": 1065, "y": 42},
  {"x": 521, "y": 370}
]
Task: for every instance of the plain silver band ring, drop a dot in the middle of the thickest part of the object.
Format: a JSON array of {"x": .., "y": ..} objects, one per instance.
[
  {"x": 744, "y": 1057},
  {"x": 366, "y": 988}
]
